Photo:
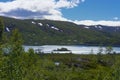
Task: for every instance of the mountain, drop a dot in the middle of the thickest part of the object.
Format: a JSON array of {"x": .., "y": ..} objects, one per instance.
[
  {"x": 48, "y": 32},
  {"x": 110, "y": 29}
]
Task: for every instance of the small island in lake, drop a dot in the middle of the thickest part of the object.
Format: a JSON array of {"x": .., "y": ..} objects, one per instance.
[{"x": 62, "y": 50}]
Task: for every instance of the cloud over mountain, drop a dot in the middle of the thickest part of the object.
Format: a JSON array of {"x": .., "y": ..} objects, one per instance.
[
  {"x": 102, "y": 22},
  {"x": 46, "y": 9},
  {"x": 43, "y": 9}
]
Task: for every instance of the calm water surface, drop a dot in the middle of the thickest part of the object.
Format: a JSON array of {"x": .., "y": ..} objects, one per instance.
[{"x": 75, "y": 49}]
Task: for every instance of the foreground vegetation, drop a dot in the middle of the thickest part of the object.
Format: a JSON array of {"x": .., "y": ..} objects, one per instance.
[
  {"x": 31, "y": 66},
  {"x": 16, "y": 64}
]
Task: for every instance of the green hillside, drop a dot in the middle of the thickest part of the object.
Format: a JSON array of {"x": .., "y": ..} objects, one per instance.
[{"x": 45, "y": 32}]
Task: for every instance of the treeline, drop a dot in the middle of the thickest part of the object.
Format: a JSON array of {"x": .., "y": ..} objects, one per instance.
[{"x": 16, "y": 64}]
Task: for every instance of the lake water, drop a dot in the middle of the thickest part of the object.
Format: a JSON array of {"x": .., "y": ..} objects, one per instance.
[{"x": 74, "y": 48}]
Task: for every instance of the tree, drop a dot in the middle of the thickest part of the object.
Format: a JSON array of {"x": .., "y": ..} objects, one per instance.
[
  {"x": 99, "y": 54},
  {"x": 109, "y": 49},
  {"x": 16, "y": 42},
  {"x": 1, "y": 29},
  {"x": 91, "y": 52},
  {"x": 14, "y": 63},
  {"x": 100, "y": 50},
  {"x": 110, "y": 55},
  {"x": 1, "y": 34}
]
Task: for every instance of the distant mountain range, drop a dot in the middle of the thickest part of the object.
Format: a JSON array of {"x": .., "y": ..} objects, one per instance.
[
  {"x": 110, "y": 29},
  {"x": 48, "y": 32}
]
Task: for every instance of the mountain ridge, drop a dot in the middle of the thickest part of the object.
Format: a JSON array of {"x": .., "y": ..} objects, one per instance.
[{"x": 50, "y": 32}]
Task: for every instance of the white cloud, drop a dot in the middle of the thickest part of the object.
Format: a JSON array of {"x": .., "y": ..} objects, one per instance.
[
  {"x": 44, "y": 9},
  {"x": 115, "y": 18},
  {"x": 102, "y": 22},
  {"x": 66, "y": 3}
]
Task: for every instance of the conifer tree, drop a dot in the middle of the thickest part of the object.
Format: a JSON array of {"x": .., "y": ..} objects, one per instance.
[
  {"x": 1, "y": 33},
  {"x": 99, "y": 54},
  {"x": 16, "y": 43},
  {"x": 1, "y": 29},
  {"x": 15, "y": 57}
]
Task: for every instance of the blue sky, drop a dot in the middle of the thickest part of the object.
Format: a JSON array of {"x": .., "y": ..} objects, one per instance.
[
  {"x": 77, "y": 11},
  {"x": 5, "y": 0},
  {"x": 94, "y": 10}
]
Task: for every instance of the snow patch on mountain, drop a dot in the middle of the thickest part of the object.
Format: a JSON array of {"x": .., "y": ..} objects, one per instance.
[
  {"x": 7, "y": 29},
  {"x": 87, "y": 27},
  {"x": 40, "y": 24},
  {"x": 95, "y": 26},
  {"x": 99, "y": 27},
  {"x": 33, "y": 22},
  {"x": 55, "y": 28},
  {"x": 48, "y": 25}
]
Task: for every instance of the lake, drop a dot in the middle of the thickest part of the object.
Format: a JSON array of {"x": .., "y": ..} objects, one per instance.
[{"x": 74, "y": 48}]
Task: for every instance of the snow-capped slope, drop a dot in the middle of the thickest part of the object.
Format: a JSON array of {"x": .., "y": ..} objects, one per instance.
[
  {"x": 8, "y": 30},
  {"x": 103, "y": 28}
]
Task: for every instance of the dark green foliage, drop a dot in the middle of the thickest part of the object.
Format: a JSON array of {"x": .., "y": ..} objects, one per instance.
[
  {"x": 31, "y": 66},
  {"x": 11, "y": 68},
  {"x": 99, "y": 54},
  {"x": 1, "y": 29},
  {"x": 16, "y": 42}
]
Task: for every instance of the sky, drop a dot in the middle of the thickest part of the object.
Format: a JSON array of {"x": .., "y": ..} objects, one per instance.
[{"x": 87, "y": 12}]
